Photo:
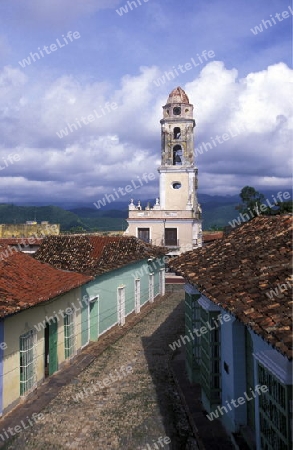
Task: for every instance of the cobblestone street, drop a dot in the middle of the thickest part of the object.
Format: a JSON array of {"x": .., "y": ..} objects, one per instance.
[{"x": 127, "y": 397}]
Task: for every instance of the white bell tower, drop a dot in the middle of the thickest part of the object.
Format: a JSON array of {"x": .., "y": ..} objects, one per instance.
[
  {"x": 175, "y": 219},
  {"x": 178, "y": 176}
]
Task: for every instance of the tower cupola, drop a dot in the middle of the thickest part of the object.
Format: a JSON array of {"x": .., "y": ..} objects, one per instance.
[{"x": 177, "y": 130}]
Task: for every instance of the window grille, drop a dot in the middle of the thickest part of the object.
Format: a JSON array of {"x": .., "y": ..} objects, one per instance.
[
  {"x": 121, "y": 306},
  {"x": 28, "y": 354},
  {"x": 151, "y": 287},
  {"x": 69, "y": 335},
  {"x": 137, "y": 295},
  {"x": 210, "y": 357},
  {"x": 274, "y": 412},
  {"x": 162, "y": 281}
]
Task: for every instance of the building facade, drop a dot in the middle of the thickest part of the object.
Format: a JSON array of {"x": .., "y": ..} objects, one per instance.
[
  {"x": 175, "y": 220},
  {"x": 127, "y": 273},
  {"x": 238, "y": 330},
  {"x": 40, "y": 324},
  {"x": 30, "y": 229},
  {"x": 47, "y": 315}
]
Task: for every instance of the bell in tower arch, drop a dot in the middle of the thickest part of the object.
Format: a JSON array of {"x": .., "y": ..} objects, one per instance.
[{"x": 177, "y": 155}]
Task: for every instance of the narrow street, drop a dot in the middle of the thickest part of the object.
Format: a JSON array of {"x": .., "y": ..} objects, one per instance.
[{"x": 126, "y": 399}]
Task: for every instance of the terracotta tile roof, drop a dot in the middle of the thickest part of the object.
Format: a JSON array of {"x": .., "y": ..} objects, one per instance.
[
  {"x": 94, "y": 255},
  {"x": 21, "y": 241},
  {"x": 239, "y": 271},
  {"x": 178, "y": 95},
  {"x": 25, "y": 282},
  {"x": 210, "y": 237}
]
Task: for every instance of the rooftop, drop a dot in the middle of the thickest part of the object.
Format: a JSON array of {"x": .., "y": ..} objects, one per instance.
[
  {"x": 94, "y": 255},
  {"x": 208, "y": 237},
  {"x": 240, "y": 271},
  {"x": 21, "y": 241},
  {"x": 178, "y": 95},
  {"x": 25, "y": 282}
]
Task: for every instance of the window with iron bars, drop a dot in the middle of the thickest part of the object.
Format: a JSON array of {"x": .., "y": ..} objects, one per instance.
[
  {"x": 275, "y": 412},
  {"x": 28, "y": 356},
  {"x": 69, "y": 335}
]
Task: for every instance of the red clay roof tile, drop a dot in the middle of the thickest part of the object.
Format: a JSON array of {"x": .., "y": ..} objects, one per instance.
[
  {"x": 243, "y": 270},
  {"x": 95, "y": 255},
  {"x": 25, "y": 282}
]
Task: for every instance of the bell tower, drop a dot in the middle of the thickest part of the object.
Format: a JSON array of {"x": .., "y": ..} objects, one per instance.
[
  {"x": 175, "y": 219},
  {"x": 178, "y": 175}
]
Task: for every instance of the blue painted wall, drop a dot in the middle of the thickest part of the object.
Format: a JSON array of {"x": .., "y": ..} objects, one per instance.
[
  {"x": 258, "y": 345},
  {"x": 234, "y": 373},
  {"x": 234, "y": 382}
]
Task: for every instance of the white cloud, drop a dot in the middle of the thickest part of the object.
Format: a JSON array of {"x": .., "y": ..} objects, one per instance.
[{"x": 125, "y": 142}]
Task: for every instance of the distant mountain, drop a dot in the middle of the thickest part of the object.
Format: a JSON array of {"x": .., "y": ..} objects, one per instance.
[
  {"x": 93, "y": 213},
  {"x": 218, "y": 210},
  {"x": 119, "y": 205},
  {"x": 10, "y": 213}
]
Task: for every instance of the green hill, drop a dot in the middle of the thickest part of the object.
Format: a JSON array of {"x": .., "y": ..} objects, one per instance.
[
  {"x": 20, "y": 214},
  {"x": 87, "y": 220},
  {"x": 218, "y": 216}
]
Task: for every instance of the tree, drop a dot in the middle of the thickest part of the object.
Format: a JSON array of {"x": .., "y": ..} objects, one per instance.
[
  {"x": 252, "y": 200},
  {"x": 285, "y": 207},
  {"x": 216, "y": 227}
]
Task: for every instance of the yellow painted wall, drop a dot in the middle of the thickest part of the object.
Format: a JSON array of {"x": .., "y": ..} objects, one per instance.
[
  {"x": 24, "y": 230},
  {"x": 21, "y": 323},
  {"x": 184, "y": 231},
  {"x": 176, "y": 199}
]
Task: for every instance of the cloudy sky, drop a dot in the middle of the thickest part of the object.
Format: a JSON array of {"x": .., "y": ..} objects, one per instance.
[{"x": 100, "y": 65}]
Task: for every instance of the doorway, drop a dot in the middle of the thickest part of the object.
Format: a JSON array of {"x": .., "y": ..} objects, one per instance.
[{"x": 51, "y": 357}]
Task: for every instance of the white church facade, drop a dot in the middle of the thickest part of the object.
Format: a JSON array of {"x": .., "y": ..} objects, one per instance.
[{"x": 174, "y": 221}]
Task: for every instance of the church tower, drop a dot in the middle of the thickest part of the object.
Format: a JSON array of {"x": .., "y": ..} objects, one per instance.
[{"x": 175, "y": 220}]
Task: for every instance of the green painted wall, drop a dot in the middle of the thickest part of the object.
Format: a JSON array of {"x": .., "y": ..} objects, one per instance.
[{"x": 105, "y": 287}]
